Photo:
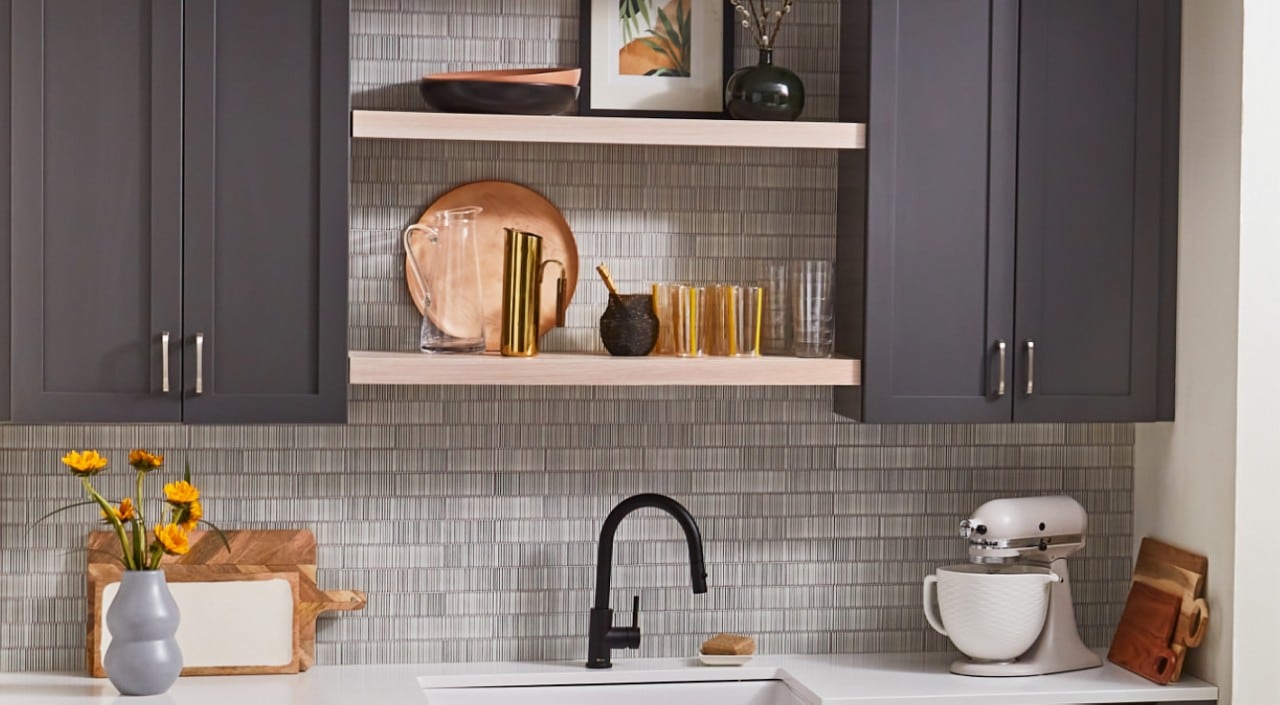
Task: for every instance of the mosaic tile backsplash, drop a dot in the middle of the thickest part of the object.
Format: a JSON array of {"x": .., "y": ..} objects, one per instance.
[{"x": 470, "y": 514}]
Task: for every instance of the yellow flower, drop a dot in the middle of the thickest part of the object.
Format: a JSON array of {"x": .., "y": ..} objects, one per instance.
[
  {"x": 172, "y": 539},
  {"x": 181, "y": 493},
  {"x": 124, "y": 513},
  {"x": 192, "y": 516},
  {"x": 143, "y": 461},
  {"x": 86, "y": 463}
]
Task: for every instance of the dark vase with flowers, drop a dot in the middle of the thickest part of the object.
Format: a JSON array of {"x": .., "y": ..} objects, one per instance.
[{"x": 764, "y": 92}]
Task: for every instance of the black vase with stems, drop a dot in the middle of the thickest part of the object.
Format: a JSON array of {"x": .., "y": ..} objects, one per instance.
[{"x": 764, "y": 91}]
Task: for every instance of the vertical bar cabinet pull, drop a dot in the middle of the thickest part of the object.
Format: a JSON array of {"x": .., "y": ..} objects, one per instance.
[
  {"x": 164, "y": 362},
  {"x": 1001, "y": 350},
  {"x": 199, "y": 363},
  {"x": 1031, "y": 367}
]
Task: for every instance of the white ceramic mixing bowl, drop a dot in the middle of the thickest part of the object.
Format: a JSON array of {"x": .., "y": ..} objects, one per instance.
[{"x": 991, "y": 613}]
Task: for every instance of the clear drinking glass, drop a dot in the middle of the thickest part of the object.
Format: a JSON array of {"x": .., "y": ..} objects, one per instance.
[
  {"x": 743, "y": 309},
  {"x": 689, "y": 320},
  {"x": 662, "y": 298},
  {"x": 717, "y": 325},
  {"x": 776, "y": 334},
  {"x": 812, "y": 287}
]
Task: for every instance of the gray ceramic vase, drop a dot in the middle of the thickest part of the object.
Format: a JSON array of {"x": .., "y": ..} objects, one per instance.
[{"x": 143, "y": 658}]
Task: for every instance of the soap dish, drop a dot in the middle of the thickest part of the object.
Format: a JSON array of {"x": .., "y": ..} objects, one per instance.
[{"x": 723, "y": 660}]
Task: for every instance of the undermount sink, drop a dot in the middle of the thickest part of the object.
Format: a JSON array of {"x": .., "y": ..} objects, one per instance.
[{"x": 761, "y": 692}]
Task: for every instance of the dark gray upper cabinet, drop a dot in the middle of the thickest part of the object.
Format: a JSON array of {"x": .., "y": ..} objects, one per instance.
[
  {"x": 266, "y": 170},
  {"x": 95, "y": 220},
  {"x": 939, "y": 278},
  {"x": 6, "y": 56},
  {"x": 1093, "y": 209},
  {"x": 1020, "y": 217},
  {"x": 177, "y": 168}
]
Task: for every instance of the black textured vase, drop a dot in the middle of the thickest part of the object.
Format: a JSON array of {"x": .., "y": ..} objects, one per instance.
[
  {"x": 629, "y": 326},
  {"x": 764, "y": 92}
]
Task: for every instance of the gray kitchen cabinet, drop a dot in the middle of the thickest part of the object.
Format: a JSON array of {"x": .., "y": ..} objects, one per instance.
[
  {"x": 161, "y": 191},
  {"x": 266, "y": 134},
  {"x": 1019, "y": 229}
]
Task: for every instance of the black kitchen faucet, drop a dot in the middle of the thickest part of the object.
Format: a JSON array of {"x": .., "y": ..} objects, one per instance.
[{"x": 602, "y": 636}]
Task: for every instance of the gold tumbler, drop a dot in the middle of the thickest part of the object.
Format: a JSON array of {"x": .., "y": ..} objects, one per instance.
[{"x": 522, "y": 269}]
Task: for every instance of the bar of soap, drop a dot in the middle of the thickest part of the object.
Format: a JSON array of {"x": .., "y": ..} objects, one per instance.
[{"x": 729, "y": 645}]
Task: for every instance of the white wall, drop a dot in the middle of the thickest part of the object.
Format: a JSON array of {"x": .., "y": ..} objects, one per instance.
[
  {"x": 1258, "y": 388},
  {"x": 1211, "y": 480},
  {"x": 1184, "y": 485}
]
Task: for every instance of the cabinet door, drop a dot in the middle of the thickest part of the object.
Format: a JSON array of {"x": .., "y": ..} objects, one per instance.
[
  {"x": 6, "y": 56},
  {"x": 940, "y": 229},
  {"x": 95, "y": 178},
  {"x": 266, "y": 151},
  {"x": 1096, "y": 207}
]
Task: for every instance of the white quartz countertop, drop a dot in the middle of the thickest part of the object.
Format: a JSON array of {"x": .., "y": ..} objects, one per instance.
[{"x": 866, "y": 679}]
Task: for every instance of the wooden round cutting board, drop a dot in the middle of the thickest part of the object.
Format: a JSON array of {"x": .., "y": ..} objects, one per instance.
[{"x": 507, "y": 205}]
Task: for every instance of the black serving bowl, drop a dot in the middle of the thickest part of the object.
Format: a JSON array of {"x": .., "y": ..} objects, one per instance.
[{"x": 453, "y": 96}]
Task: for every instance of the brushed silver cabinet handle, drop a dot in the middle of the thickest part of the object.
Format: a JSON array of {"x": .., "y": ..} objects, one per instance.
[
  {"x": 164, "y": 362},
  {"x": 1002, "y": 351},
  {"x": 199, "y": 363},
  {"x": 1031, "y": 367}
]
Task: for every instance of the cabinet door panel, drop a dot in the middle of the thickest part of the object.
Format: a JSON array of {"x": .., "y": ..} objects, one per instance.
[
  {"x": 939, "y": 274},
  {"x": 1090, "y": 209},
  {"x": 95, "y": 220},
  {"x": 266, "y": 209},
  {"x": 6, "y": 56}
]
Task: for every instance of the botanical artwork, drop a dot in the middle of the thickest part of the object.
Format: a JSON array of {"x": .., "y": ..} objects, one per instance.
[{"x": 657, "y": 38}]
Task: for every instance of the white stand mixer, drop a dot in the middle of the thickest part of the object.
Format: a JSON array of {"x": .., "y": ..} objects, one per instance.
[{"x": 1040, "y": 531}]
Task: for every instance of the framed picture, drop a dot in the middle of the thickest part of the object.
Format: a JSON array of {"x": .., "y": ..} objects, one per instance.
[{"x": 655, "y": 58}]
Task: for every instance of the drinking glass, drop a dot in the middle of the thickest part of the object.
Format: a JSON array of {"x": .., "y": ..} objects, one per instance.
[
  {"x": 776, "y": 334},
  {"x": 662, "y": 298},
  {"x": 812, "y": 306},
  {"x": 689, "y": 320},
  {"x": 745, "y": 309}
]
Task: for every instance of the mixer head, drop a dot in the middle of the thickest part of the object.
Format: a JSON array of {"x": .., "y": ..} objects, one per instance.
[{"x": 1035, "y": 529}]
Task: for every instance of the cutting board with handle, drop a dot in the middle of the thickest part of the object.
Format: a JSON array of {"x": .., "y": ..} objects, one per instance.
[
  {"x": 1179, "y": 572},
  {"x": 1142, "y": 639},
  {"x": 252, "y": 554},
  {"x": 231, "y": 624}
]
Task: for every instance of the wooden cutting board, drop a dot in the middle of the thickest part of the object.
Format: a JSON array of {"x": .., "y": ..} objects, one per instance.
[
  {"x": 252, "y": 553},
  {"x": 1142, "y": 639},
  {"x": 232, "y": 623},
  {"x": 505, "y": 205},
  {"x": 1181, "y": 573}
]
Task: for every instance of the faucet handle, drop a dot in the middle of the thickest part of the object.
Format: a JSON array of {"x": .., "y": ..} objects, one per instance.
[{"x": 635, "y": 612}]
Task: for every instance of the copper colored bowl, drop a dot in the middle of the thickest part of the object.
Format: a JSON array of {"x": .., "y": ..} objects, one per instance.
[{"x": 560, "y": 77}]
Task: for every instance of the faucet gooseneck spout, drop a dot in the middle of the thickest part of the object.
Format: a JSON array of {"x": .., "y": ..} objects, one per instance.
[{"x": 603, "y": 637}]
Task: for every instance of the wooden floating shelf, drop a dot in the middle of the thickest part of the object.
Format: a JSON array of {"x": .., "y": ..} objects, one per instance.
[
  {"x": 560, "y": 369},
  {"x": 385, "y": 124}
]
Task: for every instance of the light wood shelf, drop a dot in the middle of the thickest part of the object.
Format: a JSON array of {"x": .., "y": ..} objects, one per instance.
[
  {"x": 557, "y": 369},
  {"x": 385, "y": 124}
]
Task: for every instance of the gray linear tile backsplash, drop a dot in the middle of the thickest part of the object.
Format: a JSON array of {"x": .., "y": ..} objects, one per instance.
[{"x": 470, "y": 514}]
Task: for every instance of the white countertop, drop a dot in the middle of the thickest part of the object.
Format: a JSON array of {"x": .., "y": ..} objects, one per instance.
[{"x": 864, "y": 679}]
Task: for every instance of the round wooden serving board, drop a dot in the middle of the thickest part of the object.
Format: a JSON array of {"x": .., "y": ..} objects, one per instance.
[{"x": 508, "y": 205}]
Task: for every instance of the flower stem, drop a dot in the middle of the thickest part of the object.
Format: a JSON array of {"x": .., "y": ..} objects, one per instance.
[
  {"x": 129, "y": 563},
  {"x": 140, "y": 524}
]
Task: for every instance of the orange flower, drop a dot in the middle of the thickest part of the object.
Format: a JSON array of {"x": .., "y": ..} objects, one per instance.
[
  {"x": 172, "y": 539},
  {"x": 194, "y": 512},
  {"x": 181, "y": 493},
  {"x": 86, "y": 463},
  {"x": 126, "y": 511},
  {"x": 142, "y": 461}
]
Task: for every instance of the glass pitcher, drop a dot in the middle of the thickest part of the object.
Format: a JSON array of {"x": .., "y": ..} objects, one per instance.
[{"x": 446, "y": 265}]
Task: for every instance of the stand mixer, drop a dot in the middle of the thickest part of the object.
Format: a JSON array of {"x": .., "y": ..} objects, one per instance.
[{"x": 1042, "y": 532}]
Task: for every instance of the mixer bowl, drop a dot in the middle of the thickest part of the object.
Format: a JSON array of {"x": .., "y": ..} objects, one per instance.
[{"x": 990, "y": 613}]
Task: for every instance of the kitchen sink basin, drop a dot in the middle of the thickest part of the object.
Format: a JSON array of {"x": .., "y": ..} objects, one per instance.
[{"x": 760, "y": 692}]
